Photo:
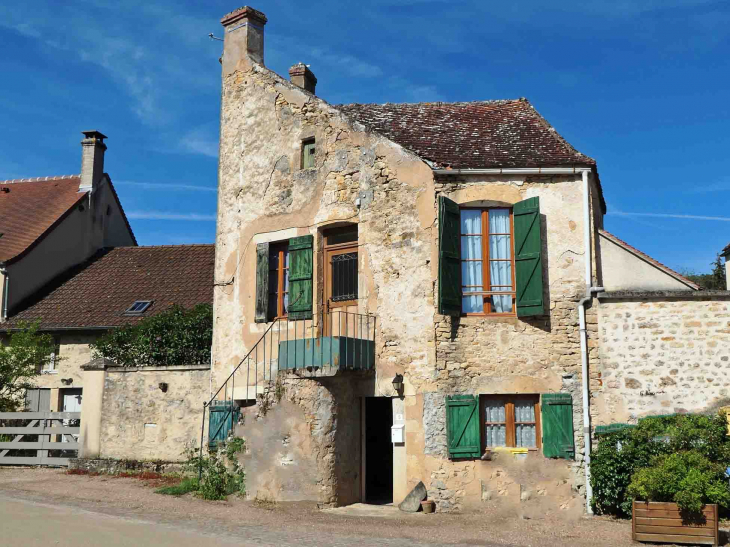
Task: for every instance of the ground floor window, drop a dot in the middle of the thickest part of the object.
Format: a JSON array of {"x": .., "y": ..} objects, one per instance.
[{"x": 510, "y": 421}]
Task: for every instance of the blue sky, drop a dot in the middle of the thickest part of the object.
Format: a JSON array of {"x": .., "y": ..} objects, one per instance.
[{"x": 640, "y": 85}]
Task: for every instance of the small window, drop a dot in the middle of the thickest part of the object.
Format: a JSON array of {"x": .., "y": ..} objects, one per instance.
[
  {"x": 510, "y": 421},
  {"x": 278, "y": 280},
  {"x": 139, "y": 307},
  {"x": 308, "y": 150},
  {"x": 344, "y": 277},
  {"x": 51, "y": 365}
]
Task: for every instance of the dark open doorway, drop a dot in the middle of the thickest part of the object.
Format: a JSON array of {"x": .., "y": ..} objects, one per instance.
[{"x": 378, "y": 450}]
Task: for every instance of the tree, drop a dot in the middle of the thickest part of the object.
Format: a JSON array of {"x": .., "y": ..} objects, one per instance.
[
  {"x": 715, "y": 280},
  {"x": 21, "y": 358}
]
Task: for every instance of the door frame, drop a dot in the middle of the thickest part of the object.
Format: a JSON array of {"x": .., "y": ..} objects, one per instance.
[{"x": 331, "y": 250}]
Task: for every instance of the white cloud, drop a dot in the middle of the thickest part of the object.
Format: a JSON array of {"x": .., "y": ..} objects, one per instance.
[
  {"x": 200, "y": 141},
  {"x": 161, "y": 215},
  {"x": 166, "y": 186},
  {"x": 719, "y": 186},
  {"x": 669, "y": 215}
]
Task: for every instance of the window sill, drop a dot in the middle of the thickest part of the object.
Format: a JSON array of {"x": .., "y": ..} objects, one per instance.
[
  {"x": 49, "y": 372},
  {"x": 508, "y": 319}
]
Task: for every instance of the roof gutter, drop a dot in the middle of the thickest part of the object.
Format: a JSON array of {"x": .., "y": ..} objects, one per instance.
[
  {"x": 6, "y": 286},
  {"x": 516, "y": 171}
]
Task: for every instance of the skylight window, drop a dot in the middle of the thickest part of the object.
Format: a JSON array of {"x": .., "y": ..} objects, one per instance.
[{"x": 139, "y": 307}]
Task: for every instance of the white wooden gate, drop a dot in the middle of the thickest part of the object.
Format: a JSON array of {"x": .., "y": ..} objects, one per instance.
[{"x": 56, "y": 443}]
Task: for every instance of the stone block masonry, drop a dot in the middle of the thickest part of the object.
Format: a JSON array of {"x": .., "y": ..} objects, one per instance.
[{"x": 666, "y": 354}]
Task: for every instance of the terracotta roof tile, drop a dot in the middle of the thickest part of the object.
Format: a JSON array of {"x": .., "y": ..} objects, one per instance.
[
  {"x": 29, "y": 208},
  {"x": 471, "y": 135},
  {"x": 650, "y": 260},
  {"x": 97, "y": 292}
]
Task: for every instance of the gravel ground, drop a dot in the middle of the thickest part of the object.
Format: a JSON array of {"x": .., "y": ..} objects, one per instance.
[{"x": 302, "y": 522}]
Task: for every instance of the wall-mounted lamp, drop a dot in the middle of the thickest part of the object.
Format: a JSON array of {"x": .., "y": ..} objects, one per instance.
[
  {"x": 398, "y": 384},
  {"x": 67, "y": 381},
  {"x": 163, "y": 387}
]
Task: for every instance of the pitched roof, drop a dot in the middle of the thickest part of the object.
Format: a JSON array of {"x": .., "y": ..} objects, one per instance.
[
  {"x": 650, "y": 260},
  {"x": 471, "y": 135},
  {"x": 30, "y": 208},
  {"x": 726, "y": 250},
  {"x": 98, "y": 292}
]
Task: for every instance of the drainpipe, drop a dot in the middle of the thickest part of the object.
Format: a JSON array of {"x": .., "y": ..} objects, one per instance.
[{"x": 6, "y": 285}]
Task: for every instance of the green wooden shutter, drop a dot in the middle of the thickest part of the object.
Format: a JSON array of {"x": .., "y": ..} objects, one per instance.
[
  {"x": 449, "y": 302},
  {"x": 557, "y": 426},
  {"x": 528, "y": 258},
  {"x": 222, "y": 417},
  {"x": 462, "y": 426},
  {"x": 262, "y": 282},
  {"x": 300, "y": 277}
]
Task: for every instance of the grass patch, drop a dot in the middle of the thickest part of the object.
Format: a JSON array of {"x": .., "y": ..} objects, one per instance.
[{"x": 185, "y": 486}]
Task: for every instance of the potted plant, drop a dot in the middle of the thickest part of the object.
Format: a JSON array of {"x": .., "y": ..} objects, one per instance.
[{"x": 676, "y": 499}]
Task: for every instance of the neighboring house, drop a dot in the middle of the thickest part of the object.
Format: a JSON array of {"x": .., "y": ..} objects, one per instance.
[
  {"x": 113, "y": 288},
  {"x": 726, "y": 255},
  {"x": 49, "y": 224},
  {"x": 468, "y": 238}
]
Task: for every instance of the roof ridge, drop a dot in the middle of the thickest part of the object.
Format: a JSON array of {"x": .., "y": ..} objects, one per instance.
[
  {"x": 651, "y": 260},
  {"x": 39, "y": 179},
  {"x": 181, "y": 245},
  {"x": 487, "y": 101}
]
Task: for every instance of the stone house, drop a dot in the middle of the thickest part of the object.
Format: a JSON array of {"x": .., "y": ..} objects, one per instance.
[
  {"x": 113, "y": 288},
  {"x": 468, "y": 238}
]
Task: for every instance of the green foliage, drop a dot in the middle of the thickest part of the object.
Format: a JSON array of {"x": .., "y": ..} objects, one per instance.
[
  {"x": 222, "y": 474},
  {"x": 21, "y": 358},
  {"x": 631, "y": 457},
  {"x": 176, "y": 336},
  {"x": 689, "y": 479},
  {"x": 188, "y": 484},
  {"x": 715, "y": 280}
]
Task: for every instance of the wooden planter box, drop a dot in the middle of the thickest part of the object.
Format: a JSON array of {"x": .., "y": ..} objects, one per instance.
[{"x": 662, "y": 522}]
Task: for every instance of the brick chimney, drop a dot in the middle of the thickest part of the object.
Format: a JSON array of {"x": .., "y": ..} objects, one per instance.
[
  {"x": 243, "y": 38},
  {"x": 92, "y": 160},
  {"x": 301, "y": 76}
]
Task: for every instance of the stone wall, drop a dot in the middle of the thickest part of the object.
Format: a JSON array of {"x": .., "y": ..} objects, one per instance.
[
  {"x": 662, "y": 353},
  {"x": 139, "y": 421}
]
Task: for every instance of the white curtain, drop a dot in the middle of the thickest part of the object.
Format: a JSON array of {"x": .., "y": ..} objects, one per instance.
[
  {"x": 496, "y": 435},
  {"x": 525, "y": 434},
  {"x": 500, "y": 247},
  {"x": 471, "y": 249}
]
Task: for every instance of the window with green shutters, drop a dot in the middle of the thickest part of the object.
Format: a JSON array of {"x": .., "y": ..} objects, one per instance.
[
  {"x": 557, "y": 426},
  {"x": 284, "y": 279},
  {"x": 462, "y": 426},
  {"x": 308, "y": 157},
  {"x": 528, "y": 258},
  {"x": 490, "y": 260}
]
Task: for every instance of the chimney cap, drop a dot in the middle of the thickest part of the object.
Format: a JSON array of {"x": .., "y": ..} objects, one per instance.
[
  {"x": 94, "y": 134},
  {"x": 244, "y": 13}
]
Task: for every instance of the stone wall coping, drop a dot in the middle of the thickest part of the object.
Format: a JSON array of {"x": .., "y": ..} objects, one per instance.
[
  {"x": 175, "y": 368},
  {"x": 664, "y": 295},
  {"x": 102, "y": 363}
]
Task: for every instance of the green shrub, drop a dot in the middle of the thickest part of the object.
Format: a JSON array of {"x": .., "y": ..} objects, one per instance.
[
  {"x": 176, "y": 336},
  {"x": 188, "y": 484},
  {"x": 622, "y": 454},
  {"x": 689, "y": 479}
]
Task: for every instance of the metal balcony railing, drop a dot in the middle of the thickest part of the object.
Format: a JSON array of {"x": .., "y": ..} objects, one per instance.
[{"x": 337, "y": 341}]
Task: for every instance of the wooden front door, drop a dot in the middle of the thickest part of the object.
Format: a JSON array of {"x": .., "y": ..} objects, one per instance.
[{"x": 341, "y": 282}]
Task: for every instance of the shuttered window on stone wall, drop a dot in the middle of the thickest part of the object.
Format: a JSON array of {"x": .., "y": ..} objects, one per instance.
[
  {"x": 300, "y": 277},
  {"x": 528, "y": 258},
  {"x": 557, "y": 426},
  {"x": 308, "y": 157},
  {"x": 462, "y": 426}
]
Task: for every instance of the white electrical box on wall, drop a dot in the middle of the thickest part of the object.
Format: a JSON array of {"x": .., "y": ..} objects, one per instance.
[{"x": 397, "y": 433}]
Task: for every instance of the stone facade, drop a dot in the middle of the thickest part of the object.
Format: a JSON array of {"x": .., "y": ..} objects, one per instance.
[
  {"x": 662, "y": 354},
  {"x": 363, "y": 178},
  {"x": 141, "y": 421}
]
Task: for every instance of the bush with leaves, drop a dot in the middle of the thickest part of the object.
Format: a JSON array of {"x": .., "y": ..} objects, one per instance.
[
  {"x": 222, "y": 474},
  {"x": 21, "y": 358},
  {"x": 176, "y": 336},
  {"x": 621, "y": 455}
]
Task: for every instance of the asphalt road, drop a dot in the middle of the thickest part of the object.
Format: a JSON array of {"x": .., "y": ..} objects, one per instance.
[{"x": 26, "y": 523}]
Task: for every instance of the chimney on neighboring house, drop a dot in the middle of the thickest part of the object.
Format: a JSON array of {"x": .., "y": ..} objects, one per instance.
[
  {"x": 92, "y": 160},
  {"x": 301, "y": 76},
  {"x": 243, "y": 38}
]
